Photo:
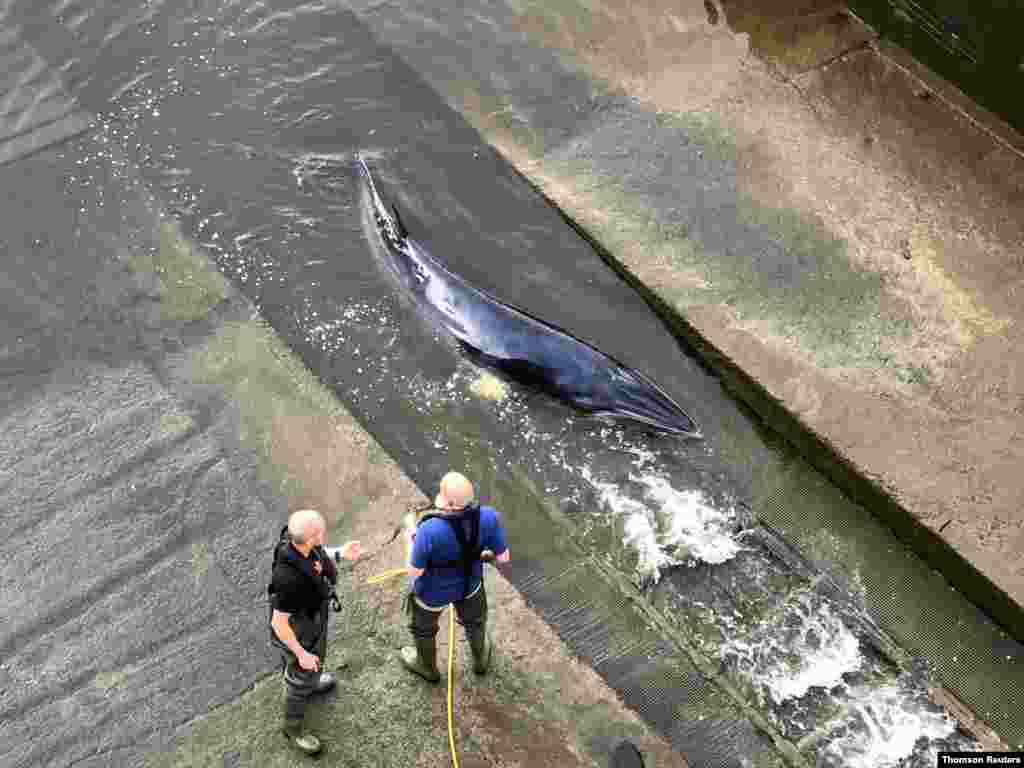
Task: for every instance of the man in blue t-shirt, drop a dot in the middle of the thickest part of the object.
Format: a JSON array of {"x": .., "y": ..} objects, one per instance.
[{"x": 449, "y": 547}]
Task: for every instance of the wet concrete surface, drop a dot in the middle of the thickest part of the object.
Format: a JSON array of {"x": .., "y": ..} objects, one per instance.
[
  {"x": 131, "y": 518},
  {"x": 268, "y": 174}
]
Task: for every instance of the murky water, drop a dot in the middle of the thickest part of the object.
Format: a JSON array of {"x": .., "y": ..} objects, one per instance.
[{"x": 245, "y": 120}]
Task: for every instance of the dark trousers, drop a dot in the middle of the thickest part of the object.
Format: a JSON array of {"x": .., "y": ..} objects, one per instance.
[
  {"x": 300, "y": 685},
  {"x": 471, "y": 613}
]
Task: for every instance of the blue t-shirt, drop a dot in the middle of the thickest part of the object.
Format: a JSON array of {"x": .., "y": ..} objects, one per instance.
[{"x": 435, "y": 541}]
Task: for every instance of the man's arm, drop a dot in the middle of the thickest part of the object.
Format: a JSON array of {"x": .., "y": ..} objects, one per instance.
[
  {"x": 496, "y": 546},
  {"x": 417, "y": 554},
  {"x": 285, "y": 633},
  {"x": 285, "y": 598}
]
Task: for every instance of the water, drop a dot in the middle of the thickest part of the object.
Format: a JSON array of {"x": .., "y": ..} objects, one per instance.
[
  {"x": 891, "y": 726},
  {"x": 245, "y": 123},
  {"x": 666, "y": 526},
  {"x": 812, "y": 649}
]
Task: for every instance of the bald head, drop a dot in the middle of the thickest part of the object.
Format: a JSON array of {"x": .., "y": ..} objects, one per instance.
[
  {"x": 456, "y": 492},
  {"x": 304, "y": 524}
]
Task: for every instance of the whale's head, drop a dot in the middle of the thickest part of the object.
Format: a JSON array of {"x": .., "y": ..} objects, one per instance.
[{"x": 635, "y": 397}]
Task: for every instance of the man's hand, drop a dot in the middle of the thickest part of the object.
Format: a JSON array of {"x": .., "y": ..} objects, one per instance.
[
  {"x": 309, "y": 661},
  {"x": 352, "y": 550},
  {"x": 489, "y": 557}
]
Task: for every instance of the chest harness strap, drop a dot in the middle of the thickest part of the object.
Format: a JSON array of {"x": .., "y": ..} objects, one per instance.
[{"x": 469, "y": 543}]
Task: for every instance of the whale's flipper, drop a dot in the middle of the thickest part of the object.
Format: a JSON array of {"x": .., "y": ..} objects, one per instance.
[{"x": 523, "y": 370}]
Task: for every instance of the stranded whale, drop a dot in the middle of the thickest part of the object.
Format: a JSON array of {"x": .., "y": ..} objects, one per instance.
[{"x": 525, "y": 348}]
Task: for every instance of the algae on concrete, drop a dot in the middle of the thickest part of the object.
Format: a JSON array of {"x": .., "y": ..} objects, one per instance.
[
  {"x": 254, "y": 369},
  {"x": 833, "y": 310},
  {"x": 188, "y": 284},
  {"x": 712, "y": 137},
  {"x": 176, "y": 424},
  {"x": 200, "y": 559},
  {"x": 107, "y": 681}
]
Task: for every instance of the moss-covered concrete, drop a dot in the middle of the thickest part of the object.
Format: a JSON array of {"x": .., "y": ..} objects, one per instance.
[
  {"x": 188, "y": 285},
  {"x": 831, "y": 309}
]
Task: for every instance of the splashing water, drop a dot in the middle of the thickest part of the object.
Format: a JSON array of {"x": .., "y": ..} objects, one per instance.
[
  {"x": 813, "y": 649},
  {"x": 695, "y": 527},
  {"x": 885, "y": 729},
  {"x": 670, "y": 527}
]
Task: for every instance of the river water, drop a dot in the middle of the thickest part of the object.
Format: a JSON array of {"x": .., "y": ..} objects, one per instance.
[{"x": 244, "y": 119}]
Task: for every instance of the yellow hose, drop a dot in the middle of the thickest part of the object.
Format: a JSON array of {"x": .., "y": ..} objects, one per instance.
[
  {"x": 451, "y": 662},
  {"x": 387, "y": 575},
  {"x": 382, "y": 577}
]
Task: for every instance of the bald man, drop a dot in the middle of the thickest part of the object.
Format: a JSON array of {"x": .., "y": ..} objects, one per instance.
[
  {"x": 446, "y": 568},
  {"x": 300, "y": 589}
]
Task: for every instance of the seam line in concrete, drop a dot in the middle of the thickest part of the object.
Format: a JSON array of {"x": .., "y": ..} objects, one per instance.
[
  {"x": 867, "y": 45},
  {"x": 942, "y": 97}
]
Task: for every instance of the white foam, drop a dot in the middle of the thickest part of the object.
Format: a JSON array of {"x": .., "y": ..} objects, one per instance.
[
  {"x": 787, "y": 663},
  {"x": 668, "y": 527},
  {"x": 695, "y": 526},
  {"x": 884, "y": 726}
]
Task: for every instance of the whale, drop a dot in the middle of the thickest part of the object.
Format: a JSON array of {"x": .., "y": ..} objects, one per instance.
[{"x": 508, "y": 339}]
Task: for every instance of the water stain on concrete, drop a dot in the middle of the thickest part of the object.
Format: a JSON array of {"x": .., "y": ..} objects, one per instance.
[{"x": 958, "y": 305}]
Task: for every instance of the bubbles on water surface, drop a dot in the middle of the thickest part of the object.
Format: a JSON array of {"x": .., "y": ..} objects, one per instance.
[
  {"x": 891, "y": 727},
  {"x": 786, "y": 655},
  {"x": 666, "y": 526}
]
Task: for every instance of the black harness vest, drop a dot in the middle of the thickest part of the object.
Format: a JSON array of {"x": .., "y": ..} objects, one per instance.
[
  {"x": 322, "y": 586},
  {"x": 469, "y": 544}
]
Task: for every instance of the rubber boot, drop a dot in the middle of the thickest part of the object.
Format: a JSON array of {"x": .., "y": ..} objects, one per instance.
[
  {"x": 626, "y": 755},
  {"x": 481, "y": 647},
  {"x": 303, "y": 741},
  {"x": 422, "y": 660}
]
